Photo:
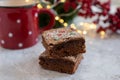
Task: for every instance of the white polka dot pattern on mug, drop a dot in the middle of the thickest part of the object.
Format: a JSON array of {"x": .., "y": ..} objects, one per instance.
[
  {"x": 36, "y": 14},
  {"x": 2, "y": 42},
  {"x": 10, "y": 35},
  {"x": 30, "y": 32},
  {"x": 20, "y": 45},
  {"x": 18, "y": 21}
]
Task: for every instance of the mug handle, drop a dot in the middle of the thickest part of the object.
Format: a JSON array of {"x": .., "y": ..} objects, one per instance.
[{"x": 51, "y": 21}]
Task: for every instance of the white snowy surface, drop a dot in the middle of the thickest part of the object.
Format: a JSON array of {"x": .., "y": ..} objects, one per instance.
[{"x": 101, "y": 62}]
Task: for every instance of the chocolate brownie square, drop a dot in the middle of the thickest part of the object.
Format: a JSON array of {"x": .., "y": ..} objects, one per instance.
[
  {"x": 67, "y": 64},
  {"x": 63, "y": 42}
]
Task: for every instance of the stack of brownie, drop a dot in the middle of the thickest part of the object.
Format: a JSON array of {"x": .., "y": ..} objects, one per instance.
[{"x": 64, "y": 50}]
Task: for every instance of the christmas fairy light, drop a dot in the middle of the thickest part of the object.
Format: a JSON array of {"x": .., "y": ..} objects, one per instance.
[
  {"x": 57, "y": 18},
  {"x": 61, "y": 20},
  {"x": 84, "y": 32},
  {"x": 62, "y": 1},
  {"x": 73, "y": 26},
  {"x": 93, "y": 26},
  {"x": 39, "y": 6},
  {"x": 65, "y": 24},
  {"x": 48, "y": 6},
  {"x": 26, "y": 0},
  {"x": 79, "y": 31},
  {"x": 102, "y": 34},
  {"x": 81, "y": 23},
  {"x": 86, "y": 24}
]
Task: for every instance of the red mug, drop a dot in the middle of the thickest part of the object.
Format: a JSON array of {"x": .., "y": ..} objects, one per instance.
[{"x": 19, "y": 25}]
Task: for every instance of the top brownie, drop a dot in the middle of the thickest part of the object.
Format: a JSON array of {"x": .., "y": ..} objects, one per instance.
[{"x": 63, "y": 42}]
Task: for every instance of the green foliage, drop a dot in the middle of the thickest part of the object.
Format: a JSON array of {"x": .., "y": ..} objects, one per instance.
[{"x": 60, "y": 10}]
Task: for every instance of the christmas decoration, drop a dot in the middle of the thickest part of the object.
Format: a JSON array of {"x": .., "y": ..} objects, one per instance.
[
  {"x": 114, "y": 22},
  {"x": 66, "y": 10}
]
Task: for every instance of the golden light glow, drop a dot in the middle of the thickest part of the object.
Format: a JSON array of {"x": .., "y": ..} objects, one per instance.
[
  {"x": 86, "y": 24},
  {"x": 84, "y": 32},
  {"x": 79, "y": 31},
  {"x": 73, "y": 26},
  {"x": 93, "y": 26},
  {"x": 65, "y": 24},
  {"x": 39, "y": 6},
  {"x": 48, "y": 6},
  {"x": 62, "y": 1},
  {"x": 57, "y": 18},
  {"x": 26, "y": 0},
  {"x": 102, "y": 34},
  {"x": 81, "y": 23},
  {"x": 61, "y": 20}
]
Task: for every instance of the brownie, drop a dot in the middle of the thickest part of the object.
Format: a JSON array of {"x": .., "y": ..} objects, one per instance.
[
  {"x": 63, "y": 42},
  {"x": 61, "y": 64}
]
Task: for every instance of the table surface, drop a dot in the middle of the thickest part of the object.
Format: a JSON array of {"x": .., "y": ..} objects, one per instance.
[{"x": 101, "y": 62}]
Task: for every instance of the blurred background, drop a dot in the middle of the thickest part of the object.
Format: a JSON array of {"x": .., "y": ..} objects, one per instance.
[
  {"x": 116, "y": 2},
  {"x": 87, "y": 16}
]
